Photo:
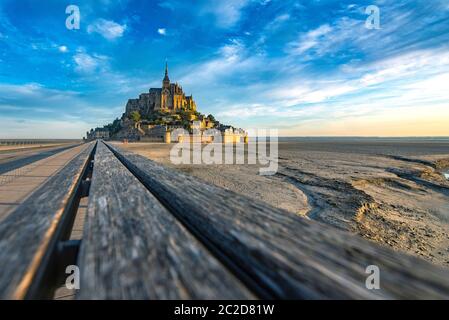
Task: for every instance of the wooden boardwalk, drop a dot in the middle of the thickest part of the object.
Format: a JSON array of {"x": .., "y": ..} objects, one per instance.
[
  {"x": 154, "y": 233},
  {"x": 11, "y": 160},
  {"x": 18, "y": 184}
]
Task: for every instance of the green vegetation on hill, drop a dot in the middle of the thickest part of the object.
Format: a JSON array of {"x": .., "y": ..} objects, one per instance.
[
  {"x": 135, "y": 116},
  {"x": 181, "y": 118},
  {"x": 114, "y": 127},
  {"x": 211, "y": 118}
]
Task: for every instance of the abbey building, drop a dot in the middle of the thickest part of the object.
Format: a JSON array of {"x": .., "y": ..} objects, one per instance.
[{"x": 169, "y": 98}]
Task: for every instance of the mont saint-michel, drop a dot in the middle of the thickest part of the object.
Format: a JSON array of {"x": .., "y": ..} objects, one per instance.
[
  {"x": 335, "y": 188},
  {"x": 154, "y": 115}
]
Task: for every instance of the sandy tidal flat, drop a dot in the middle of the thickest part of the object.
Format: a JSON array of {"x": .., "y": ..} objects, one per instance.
[{"x": 393, "y": 192}]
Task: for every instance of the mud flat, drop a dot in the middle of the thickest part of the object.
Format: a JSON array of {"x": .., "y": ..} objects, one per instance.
[{"x": 390, "y": 191}]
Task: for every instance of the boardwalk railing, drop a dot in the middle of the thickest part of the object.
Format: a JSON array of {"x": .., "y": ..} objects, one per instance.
[{"x": 155, "y": 233}]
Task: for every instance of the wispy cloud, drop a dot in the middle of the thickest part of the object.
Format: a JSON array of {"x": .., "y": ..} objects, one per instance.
[
  {"x": 313, "y": 39},
  {"x": 37, "y": 105},
  {"x": 32, "y": 94},
  {"x": 410, "y": 83},
  {"x": 228, "y": 58},
  {"x": 86, "y": 63},
  {"x": 108, "y": 29},
  {"x": 226, "y": 13}
]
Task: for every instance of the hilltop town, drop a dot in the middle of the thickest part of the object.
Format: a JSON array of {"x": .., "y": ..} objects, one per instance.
[{"x": 155, "y": 114}]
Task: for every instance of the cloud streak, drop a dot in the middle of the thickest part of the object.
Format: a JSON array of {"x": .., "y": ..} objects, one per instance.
[{"x": 109, "y": 30}]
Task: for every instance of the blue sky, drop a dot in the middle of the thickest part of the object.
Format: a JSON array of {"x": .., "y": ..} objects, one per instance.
[{"x": 303, "y": 67}]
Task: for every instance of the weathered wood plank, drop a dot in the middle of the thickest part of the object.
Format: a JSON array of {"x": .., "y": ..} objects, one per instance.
[
  {"x": 133, "y": 248},
  {"x": 20, "y": 161},
  {"x": 28, "y": 236},
  {"x": 281, "y": 254}
]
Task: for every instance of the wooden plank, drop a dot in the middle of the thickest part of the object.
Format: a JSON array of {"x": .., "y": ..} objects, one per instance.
[
  {"x": 29, "y": 235},
  {"x": 18, "y": 185},
  {"x": 133, "y": 248},
  {"x": 279, "y": 254},
  {"x": 20, "y": 160}
]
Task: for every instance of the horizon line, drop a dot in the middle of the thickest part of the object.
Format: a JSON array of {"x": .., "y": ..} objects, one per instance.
[{"x": 307, "y": 137}]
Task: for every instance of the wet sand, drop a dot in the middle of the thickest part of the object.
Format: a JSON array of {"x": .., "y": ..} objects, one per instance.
[{"x": 389, "y": 191}]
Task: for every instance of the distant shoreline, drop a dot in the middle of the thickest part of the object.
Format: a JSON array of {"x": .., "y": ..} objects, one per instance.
[{"x": 366, "y": 139}]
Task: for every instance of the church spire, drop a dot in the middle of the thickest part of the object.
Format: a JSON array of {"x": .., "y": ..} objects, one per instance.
[{"x": 166, "y": 81}]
